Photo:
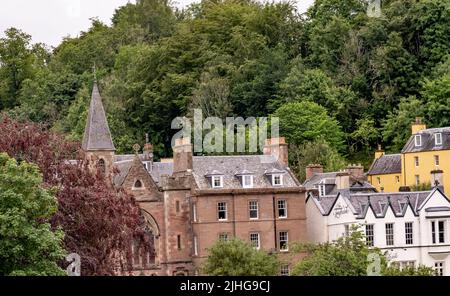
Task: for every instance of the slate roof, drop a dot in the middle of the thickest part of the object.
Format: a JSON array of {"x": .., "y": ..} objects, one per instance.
[
  {"x": 97, "y": 135},
  {"x": 230, "y": 167},
  {"x": 386, "y": 164},
  {"x": 329, "y": 179},
  {"x": 377, "y": 202},
  {"x": 428, "y": 142}
]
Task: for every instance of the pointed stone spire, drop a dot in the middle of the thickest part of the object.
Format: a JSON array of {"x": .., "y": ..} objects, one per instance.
[{"x": 97, "y": 135}]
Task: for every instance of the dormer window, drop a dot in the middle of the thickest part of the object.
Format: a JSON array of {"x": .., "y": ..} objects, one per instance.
[
  {"x": 321, "y": 188},
  {"x": 217, "y": 181},
  {"x": 277, "y": 180},
  {"x": 418, "y": 140},
  {"x": 438, "y": 139},
  {"x": 247, "y": 181}
]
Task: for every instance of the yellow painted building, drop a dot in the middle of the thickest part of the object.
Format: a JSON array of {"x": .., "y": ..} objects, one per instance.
[
  {"x": 385, "y": 172},
  {"x": 424, "y": 160}
]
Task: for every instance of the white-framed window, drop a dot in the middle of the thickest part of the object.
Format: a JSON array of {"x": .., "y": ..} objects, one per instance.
[
  {"x": 222, "y": 213},
  {"x": 379, "y": 180},
  {"x": 389, "y": 234},
  {"x": 418, "y": 140},
  {"x": 282, "y": 209},
  {"x": 404, "y": 264},
  {"x": 284, "y": 241},
  {"x": 223, "y": 237},
  {"x": 321, "y": 190},
  {"x": 253, "y": 208},
  {"x": 439, "y": 268},
  {"x": 417, "y": 177},
  {"x": 247, "y": 181},
  {"x": 436, "y": 160},
  {"x": 370, "y": 235},
  {"x": 255, "y": 240},
  {"x": 217, "y": 181},
  {"x": 438, "y": 231},
  {"x": 347, "y": 230},
  {"x": 416, "y": 161},
  {"x": 195, "y": 246},
  {"x": 438, "y": 139},
  {"x": 284, "y": 270},
  {"x": 409, "y": 233},
  {"x": 194, "y": 211},
  {"x": 277, "y": 180}
]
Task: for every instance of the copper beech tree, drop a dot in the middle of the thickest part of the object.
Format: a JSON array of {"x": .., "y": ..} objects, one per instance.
[{"x": 100, "y": 222}]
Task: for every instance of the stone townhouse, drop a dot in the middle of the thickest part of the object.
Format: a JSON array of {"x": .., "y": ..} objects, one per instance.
[{"x": 189, "y": 202}]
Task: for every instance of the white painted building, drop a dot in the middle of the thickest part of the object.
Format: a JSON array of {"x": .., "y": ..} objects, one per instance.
[{"x": 413, "y": 227}]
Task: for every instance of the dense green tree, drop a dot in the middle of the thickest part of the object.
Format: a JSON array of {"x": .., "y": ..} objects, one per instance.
[
  {"x": 311, "y": 85},
  {"x": 16, "y": 65},
  {"x": 308, "y": 121},
  {"x": 397, "y": 126},
  {"x": 318, "y": 151},
  {"x": 28, "y": 245},
  {"x": 350, "y": 256},
  {"x": 237, "y": 258},
  {"x": 347, "y": 256}
]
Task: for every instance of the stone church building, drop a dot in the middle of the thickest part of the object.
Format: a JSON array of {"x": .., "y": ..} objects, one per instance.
[{"x": 189, "y": 202}]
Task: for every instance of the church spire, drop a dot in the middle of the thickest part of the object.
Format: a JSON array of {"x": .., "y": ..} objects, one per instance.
[{"x": 97, "y": 136}]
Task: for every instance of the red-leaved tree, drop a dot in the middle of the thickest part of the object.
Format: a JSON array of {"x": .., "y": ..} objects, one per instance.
[{"x": 100, "y": 221}]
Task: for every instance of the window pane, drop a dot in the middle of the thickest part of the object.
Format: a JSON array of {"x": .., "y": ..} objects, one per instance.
[
  {"x": 282, "y": 209},
  {"x": 254, "y": 240},
  {"x": 433, "y": 231},
  {"x": 369, "y": 235},
  {"x": 389, "y": 234},
  {"x": 409, "y": 233},
  {"x": 441, "y": 232},
  {"x": 222, "y": 210},
  {"x": 284, "y": 270},
  {"x": 253, "y": 207},
  {"x": 284, "y": 241}
]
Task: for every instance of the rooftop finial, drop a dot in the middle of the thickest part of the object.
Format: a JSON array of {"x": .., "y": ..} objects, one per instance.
[
  {"x": 147, "y": 138},
  {"x": 136, "y": 148}
]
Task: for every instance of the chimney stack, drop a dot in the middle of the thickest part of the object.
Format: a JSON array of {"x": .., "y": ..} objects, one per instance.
[
  {"x": 148, "y": 149},
  {"x": 379, "y": 152},
  {"x": 313, "y": 169},
  {"x": 417, "y": 126},
  {"x": 182, "y": 155},
  {"x": 342, "y": 180},
  {"x": 356, "y": 171},
  {"x": 278, "y": 148}
]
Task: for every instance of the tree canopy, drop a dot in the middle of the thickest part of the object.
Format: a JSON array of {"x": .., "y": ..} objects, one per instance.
[
  {"x": 241, "y": 58},
  {"x": 28, "y": 244},
  {"x": 237, "y": 258}
]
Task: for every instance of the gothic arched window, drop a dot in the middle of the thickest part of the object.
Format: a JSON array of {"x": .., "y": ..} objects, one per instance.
[
  {"x": 102, "y": 166},
  {"x": 143, "y": 249}
]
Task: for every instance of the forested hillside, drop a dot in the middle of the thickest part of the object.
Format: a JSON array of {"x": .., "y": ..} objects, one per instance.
[{"x": 340, "y": 81}]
